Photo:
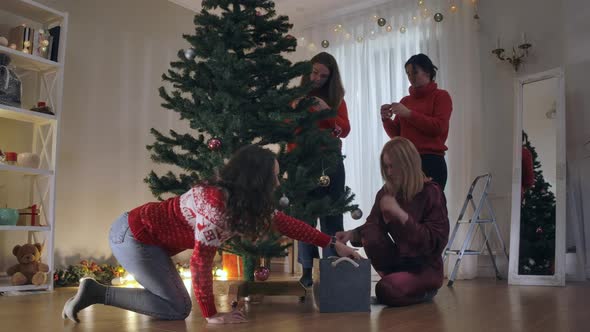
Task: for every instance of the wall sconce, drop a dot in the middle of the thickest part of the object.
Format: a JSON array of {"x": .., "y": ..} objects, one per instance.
[{"x": 517, "y": 58}]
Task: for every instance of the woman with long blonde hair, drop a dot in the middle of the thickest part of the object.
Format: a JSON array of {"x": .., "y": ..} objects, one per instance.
[{"x": 407, "y": 229}]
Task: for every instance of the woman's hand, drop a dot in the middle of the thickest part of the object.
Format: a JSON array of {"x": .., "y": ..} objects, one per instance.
[
  {"x": 321, "y": 104},
  {"x": 233, "y": 317},
  {"x": 295, "y": 102},
  {"x": 344, "y": 236},
  {"x": 391, "y": 209},
  {"x": 400, "y": 109},
  {"x": 345, "y": 251},
  {"x": 386, "y": 112}
]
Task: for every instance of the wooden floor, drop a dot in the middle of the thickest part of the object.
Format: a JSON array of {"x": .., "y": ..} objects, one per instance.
[{"x": 477, "y": 305}]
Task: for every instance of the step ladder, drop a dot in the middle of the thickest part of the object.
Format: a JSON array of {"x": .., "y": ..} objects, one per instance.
[{"x": 472, "y": 222}]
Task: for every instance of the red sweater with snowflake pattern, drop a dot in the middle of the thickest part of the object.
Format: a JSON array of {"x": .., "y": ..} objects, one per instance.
[{"x": 194, "y": 220}]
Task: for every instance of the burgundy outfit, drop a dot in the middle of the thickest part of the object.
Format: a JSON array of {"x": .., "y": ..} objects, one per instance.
[{"x": 412, "y": 264}]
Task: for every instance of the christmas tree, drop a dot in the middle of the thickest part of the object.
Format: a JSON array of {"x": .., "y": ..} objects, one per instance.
[
  {"x": 537, "y": 224},
  {"x": 232, "y": 85}
]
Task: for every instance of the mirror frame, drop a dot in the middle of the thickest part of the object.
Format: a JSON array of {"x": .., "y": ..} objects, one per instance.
[{"x": 558, "y": 279}]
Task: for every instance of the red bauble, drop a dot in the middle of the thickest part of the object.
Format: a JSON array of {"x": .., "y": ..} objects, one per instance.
[
  {"x": 290, "y": 37},
  {"x": 539, "y": 230},
  {"x": 214, "y": 144},
  {"x": 261, "y": 273}
]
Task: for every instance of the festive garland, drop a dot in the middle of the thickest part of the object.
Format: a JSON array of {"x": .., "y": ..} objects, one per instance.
[{"x": 103, "y": 273}]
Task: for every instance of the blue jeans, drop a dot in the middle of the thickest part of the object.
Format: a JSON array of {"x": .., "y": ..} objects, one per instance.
[
  {"x": 329, "y": 224},
  {"x": 164, "y": 295}
]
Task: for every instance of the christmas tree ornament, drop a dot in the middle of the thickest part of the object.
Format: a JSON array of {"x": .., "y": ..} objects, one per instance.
[
  {"x": 403, "y": 29},
  {"x": 454, "y": 8},
  {"x": 381, "y": 22},
  {"x": 325, "y": 43},
  {"x": 284, "y": 201},
  {"x": 261, "y": 273},
  {"x": 290, "y": 37},
  {"x": 539, "y": 230},
  {"x": 356, "y": 214},
  {"x": 438, "y": 17},
  {"x": 324, "y": 180},
  {"x": 189, "y": 54},
  {"x": 420, "y": 3},
  {"x": 389, "y": 28},
  {"x": 214, "y": 144},
  {"x": 360, "y": 39}
]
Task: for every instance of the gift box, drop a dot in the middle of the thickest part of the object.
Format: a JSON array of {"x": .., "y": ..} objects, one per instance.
[
  {"x": 233, "y": 265},
  {"x": 29, "y": 216}
]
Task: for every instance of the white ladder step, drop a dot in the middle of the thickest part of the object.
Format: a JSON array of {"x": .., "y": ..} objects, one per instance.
[
  {"x": 467, "y": 252},
  {"x": 478, "y": 221}
]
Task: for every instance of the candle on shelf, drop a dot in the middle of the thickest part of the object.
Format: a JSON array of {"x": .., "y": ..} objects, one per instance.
[{"x": 523, "y": 38}]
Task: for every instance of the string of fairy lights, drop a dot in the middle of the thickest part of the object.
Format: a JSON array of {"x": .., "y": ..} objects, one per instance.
[{"x": 425, "y": 13}]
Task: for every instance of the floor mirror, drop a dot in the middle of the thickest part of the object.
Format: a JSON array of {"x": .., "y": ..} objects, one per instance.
[{"x": 537, "y": 232}]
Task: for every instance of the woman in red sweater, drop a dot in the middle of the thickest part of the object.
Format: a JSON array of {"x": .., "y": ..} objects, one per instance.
[
  {"x": 407, "y": 230},
  {"x": 329, "y": 94},
  {"x": 239, "y": 204},
  {"x": 422, "y": 117},
  {"x": 528, "y": 170}
]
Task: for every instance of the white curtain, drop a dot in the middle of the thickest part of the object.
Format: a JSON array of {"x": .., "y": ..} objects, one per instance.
[{"x": 371, "y": 61}]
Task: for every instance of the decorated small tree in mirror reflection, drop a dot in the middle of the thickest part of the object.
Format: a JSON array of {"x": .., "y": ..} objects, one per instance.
[{"x": 537, "y": 223}]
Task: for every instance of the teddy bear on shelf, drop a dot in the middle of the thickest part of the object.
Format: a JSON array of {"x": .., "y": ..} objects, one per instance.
[{"x": 29, "y": 269}]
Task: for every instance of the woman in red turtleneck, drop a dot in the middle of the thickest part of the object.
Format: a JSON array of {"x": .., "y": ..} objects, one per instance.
[{"x": 422, "y": 117}]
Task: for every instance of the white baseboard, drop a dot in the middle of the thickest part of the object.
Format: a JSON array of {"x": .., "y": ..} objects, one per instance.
[{"x": 485, "y": 269}]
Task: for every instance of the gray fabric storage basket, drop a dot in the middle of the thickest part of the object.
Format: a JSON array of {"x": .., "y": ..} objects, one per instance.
[
  {"x": 344, "y": 285},
  {"x": 10, "y": 84}
]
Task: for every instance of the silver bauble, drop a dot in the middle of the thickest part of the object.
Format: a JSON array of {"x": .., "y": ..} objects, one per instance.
[
  {"x": 284, "y": 201},
  {"x": 356, "y": 214},
  {"x": 189, "y": 53}
]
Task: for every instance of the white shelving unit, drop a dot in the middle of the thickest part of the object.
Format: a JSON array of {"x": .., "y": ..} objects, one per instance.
[{"x": 43, "y": 129}]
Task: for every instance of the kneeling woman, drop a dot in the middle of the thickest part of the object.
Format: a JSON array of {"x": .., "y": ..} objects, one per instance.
[
  {"x": 407, "y": 230},
  {"x": 238, "y": 203}
]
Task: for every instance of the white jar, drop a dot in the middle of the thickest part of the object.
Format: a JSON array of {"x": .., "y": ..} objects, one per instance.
[{"x": 28, "y": 159}]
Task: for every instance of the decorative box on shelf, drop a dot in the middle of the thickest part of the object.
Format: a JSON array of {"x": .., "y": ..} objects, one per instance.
[{"x": 29, "y": 216}]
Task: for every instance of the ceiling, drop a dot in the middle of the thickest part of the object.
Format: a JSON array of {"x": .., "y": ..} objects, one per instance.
[{"x": 306, "y": 12}]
